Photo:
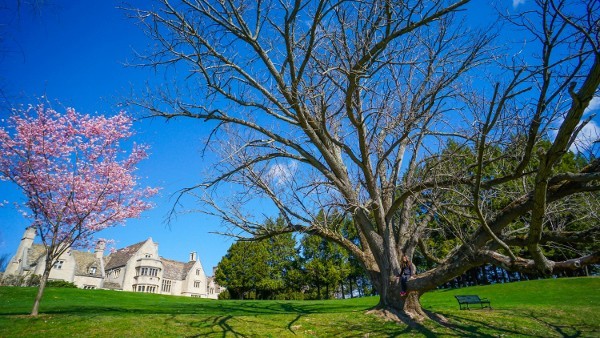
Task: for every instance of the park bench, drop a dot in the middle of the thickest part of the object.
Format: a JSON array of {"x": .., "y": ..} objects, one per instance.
[{"x": 465, "y": 300}]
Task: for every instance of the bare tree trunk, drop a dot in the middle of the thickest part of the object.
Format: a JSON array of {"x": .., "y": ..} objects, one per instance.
[
  {"x": 412, "y": 306},
  {"x": 40, "y": 293},
  {"x": 390, "y": 298},
  {"x": 408, "y": 305}
]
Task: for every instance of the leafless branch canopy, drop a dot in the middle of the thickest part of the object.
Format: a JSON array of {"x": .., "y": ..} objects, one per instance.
[{"x": 381, "y": 110}]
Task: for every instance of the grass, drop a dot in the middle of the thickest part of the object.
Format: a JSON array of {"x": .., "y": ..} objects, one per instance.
[{"x": 541, "y": 308}]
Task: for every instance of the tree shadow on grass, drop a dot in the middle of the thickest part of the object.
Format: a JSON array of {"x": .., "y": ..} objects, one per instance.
[
  {"x": 452, "y": 324},
  {"x": 222, "y": 322},
  {"x": 222, "y": 327},
  {"x": 237, "y": 308},
  {"x": 466, "y": 326},
  {"x": 562, "y": 330},
  {"x": 287, "y": 322},
  {"x": 290, "y": 308},
  {"x": 222, "y": 312}
]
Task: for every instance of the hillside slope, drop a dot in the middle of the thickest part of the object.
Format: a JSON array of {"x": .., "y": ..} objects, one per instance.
[{"x": 543, "y": 308}]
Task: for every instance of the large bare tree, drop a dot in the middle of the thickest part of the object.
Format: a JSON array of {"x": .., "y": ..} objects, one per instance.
[{"x": 328, "y": 108}]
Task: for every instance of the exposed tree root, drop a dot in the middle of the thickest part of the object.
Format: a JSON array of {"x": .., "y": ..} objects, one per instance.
[{"x": 413, "y": 320}]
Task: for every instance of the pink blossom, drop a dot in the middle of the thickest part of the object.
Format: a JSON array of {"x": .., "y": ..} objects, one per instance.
[{"x": 76, "y": 177}]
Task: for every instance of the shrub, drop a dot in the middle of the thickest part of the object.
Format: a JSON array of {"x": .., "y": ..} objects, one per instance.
[
  {"x": 33, "y": 280},
  {"x": 291, "y": 295},
  {"x": 224, "y": 295},
  {"x": 60, "y": 284},
  {"x": 13, "y": 280}
]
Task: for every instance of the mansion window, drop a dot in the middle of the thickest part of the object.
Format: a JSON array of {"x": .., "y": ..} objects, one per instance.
[
  {"x": 58, "y": 265},
  {"x": 92, "y": 270},
  {"x": 116, "y": 273},
  {"x": 144, "y": 288},
  {"x": 148, "y": 272},
  {"x": 148, "y": 255},
  {"x": 197, "y": 284},
  {"x": 197, "y": 272},
  {"x": 166, "y": 285},
  {"x": 89, "y": 287}
]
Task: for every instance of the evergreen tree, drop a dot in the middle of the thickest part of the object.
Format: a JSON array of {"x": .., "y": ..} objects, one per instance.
[{"x": 243, "y": 269}]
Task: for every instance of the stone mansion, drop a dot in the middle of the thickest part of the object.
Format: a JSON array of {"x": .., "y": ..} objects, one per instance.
[{"x": 136, "y": 268}]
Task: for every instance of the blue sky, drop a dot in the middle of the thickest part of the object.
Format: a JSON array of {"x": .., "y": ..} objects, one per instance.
[{"x": 73, "y": 53}]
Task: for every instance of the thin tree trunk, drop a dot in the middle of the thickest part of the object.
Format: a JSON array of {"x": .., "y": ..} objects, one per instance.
[
  {"x": 484, "y": 275},
  {"x": 474, "y": 276},
  {"x": 40, "y": 293},
  {"x": 496, "y": 275}
]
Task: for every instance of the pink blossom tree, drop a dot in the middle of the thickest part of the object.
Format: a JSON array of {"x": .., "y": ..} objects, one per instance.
[{"x": 75, "y": 175}]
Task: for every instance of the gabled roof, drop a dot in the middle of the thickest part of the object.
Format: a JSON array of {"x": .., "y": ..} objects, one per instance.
[
  {"x": 111, "y": 286},
  {"x": 122, "y": 256},
  {"x": 175, "y": 270},
  {"x": 84, "y": 261}
]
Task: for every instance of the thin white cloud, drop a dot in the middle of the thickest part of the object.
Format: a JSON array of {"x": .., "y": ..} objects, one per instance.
[
  {"x": 594, "y": 105},
  {"x": 586, "y": 137},
  {"x": 282, "y": 173},
  {"x": 516, "y": 3},
  {"x": 589, "y": 134}
]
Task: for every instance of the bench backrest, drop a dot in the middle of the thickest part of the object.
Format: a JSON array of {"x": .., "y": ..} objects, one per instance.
[{"x": 468, "y": 299}]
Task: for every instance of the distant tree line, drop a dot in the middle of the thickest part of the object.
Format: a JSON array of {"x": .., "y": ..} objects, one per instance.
[
  {"x": 283, "y": 267},
  {"x": 490, "y": 274},
  {"x": 311, "y": 268}
]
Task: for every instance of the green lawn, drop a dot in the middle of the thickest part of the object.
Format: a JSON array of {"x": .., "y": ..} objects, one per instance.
[{"x": 542, "y": 308}]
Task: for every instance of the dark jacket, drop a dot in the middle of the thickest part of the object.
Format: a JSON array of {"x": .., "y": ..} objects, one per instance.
[{"x": 408, "y": 271}]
